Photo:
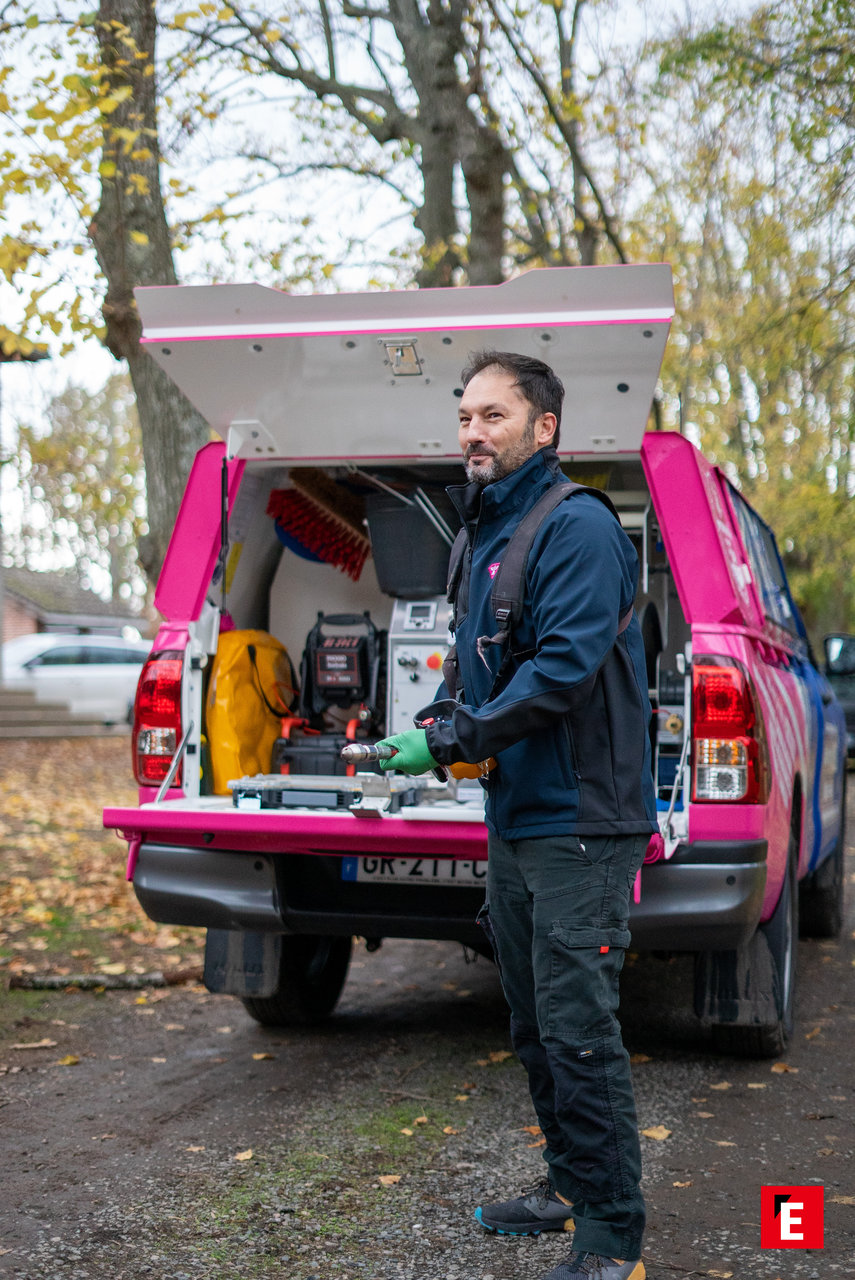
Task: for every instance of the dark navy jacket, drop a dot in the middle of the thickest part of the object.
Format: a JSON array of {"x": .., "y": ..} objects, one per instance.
[{"x": 569, "y": 727}]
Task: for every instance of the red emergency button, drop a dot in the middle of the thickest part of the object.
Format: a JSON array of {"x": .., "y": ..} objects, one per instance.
[{"x": 434, "y": 661}]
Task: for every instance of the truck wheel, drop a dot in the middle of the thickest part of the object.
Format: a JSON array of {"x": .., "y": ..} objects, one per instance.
[
  {"x": 756, "y": 985},
  {"x": 821, "y": 892},
  {"x": 312, "y": 971}
]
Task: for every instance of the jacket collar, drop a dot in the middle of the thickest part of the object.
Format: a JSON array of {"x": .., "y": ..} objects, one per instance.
[{"x": 512, "y": 491}]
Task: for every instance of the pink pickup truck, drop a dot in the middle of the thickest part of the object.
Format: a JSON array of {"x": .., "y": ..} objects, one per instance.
[{"x": 303, "y": 606}]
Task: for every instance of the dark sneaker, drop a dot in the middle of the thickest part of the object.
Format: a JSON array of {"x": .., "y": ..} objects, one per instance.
[
  {"x": 591, "y": 1266},
  {"x": 534, "y": 1211}
]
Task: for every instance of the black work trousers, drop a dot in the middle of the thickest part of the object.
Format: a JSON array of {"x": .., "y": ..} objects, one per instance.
[{"x": 557, "y": 913}]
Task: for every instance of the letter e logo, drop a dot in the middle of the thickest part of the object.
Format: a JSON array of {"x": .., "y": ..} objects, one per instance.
[{"x": 791, "y": 1217}]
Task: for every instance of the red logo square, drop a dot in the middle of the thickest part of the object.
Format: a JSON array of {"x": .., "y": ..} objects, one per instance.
[{"x": 791, "y": 1217}]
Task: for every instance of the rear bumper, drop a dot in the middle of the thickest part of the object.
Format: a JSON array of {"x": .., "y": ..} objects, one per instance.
[
  {"x": 223, "y": 889},
  {"x": 708, "y": 897}
]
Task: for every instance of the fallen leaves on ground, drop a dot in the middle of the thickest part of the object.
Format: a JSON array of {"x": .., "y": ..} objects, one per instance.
[
  {"x": 498, "y": 1055},
  {"x": 658, "y": 1133},
  {"x": 782, "y": 1068},
  {"x": 389, "y": 1179},
  {"x": 65, "y": 906},
  {"x": 244, "y": 1155}
]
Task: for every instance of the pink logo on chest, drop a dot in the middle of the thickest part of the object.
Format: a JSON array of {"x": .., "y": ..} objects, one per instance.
[{"x": 493, "y": 569}]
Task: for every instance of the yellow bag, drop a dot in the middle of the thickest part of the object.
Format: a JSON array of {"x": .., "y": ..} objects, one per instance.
[{"x": 249, "y": 667}]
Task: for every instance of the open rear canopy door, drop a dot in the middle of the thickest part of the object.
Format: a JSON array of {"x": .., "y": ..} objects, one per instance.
[{"x": 376, "y": 376}]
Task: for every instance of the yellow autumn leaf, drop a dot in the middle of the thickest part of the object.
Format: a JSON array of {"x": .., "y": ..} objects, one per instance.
[
  {"x": 139, "y": 237},
  {"x": 755, "y": 1084},
  {"x": 780, "y": 1068},
  {"x": 682, "y": 1184},
  {"x": 725, "y": 1084},
  {"x": 501, "y": 1055},
  {"x": 449, "y": 1129},
  {"x": 461, "y": 1097},
  {"x": 114, "y": 969},
  {"x": 531, "y": 1128},
  {"x": 407, "y": 1132},
  {"x": 70, "y": 1060},
  {"x": 194, "y": 1148},
  {"x": 721, "y": 1143},
  {"x": 244, "y": 1155},
  {"x": 720, "y": 1275},
  {"x": 658, "y": 1133},
  {"x": 264, "y": 1057},
  {"x": 420, "y": 1120},
  {"x": 389, "y": 1179}
]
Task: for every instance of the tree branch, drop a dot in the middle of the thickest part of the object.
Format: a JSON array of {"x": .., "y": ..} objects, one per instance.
[{"x": 564, "y": 126}]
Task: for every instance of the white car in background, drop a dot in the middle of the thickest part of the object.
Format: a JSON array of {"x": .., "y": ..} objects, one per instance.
[{"x": 95, "y": 676}]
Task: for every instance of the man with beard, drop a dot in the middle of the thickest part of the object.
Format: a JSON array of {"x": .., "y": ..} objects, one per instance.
[{"x": 570, "y": 805}]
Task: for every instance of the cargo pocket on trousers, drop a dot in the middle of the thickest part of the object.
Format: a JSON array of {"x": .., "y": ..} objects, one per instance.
[{"x": 583, "y": 995}]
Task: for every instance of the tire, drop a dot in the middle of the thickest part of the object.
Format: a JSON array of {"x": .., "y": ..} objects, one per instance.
[
  {"x": 312, "y": 972},
  {"x": 821, "y": 892},
  {"x": 761, "y": 979}
]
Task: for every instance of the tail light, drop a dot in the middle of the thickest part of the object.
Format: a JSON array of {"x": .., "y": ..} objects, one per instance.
[
  {"x": 157, "y": 718},
  {"x": 730, "y": 762}
]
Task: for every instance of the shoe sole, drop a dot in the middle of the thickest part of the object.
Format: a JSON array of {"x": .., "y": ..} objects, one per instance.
[{"x": 518, "y": 1229}]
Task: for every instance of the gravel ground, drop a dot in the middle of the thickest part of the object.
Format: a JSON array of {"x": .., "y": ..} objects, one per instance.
[{"x": 187, "y": 1142}]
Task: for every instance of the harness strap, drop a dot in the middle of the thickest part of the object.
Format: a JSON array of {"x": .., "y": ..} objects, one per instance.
[{"x": 508, "y": 593}]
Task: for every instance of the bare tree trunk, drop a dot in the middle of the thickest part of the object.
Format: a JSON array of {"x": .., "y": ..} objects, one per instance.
[
  {"x": 132, "y": 241},
  {"x": 484, "y": 166},
  {"x": 448, "y": 134}
]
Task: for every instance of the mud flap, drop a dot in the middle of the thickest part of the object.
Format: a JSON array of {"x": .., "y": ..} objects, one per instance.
[
  {"x": 738, "y": 987},
  {"x": 242, "y": 963}
]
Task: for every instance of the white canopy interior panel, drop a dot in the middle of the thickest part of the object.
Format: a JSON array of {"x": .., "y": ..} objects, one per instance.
[{"x": 376, "y": 376}]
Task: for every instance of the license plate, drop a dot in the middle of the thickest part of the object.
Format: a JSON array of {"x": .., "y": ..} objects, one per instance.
[{"x": 466, "y": 872}]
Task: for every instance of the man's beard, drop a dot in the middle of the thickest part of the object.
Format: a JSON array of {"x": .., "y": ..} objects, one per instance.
[{"x": 502, "y": 464}]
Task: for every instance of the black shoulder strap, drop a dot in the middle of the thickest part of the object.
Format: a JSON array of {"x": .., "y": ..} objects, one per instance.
[
  {"x": 506, "y": 598},
  {"x": 455, "y": 564}
]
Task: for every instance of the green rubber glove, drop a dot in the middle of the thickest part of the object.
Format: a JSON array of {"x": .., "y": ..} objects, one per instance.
[{"x": 411, "y": 752}]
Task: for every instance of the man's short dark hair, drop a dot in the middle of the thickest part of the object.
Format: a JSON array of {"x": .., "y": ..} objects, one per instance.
[{"x": 539, "y": 384}]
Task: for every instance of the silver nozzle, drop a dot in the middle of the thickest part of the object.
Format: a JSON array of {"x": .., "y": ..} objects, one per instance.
[{"x": 361, "y": 753}]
